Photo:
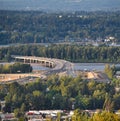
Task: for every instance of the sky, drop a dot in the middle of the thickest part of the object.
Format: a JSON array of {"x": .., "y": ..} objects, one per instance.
[{"x": 60, "y": 5}]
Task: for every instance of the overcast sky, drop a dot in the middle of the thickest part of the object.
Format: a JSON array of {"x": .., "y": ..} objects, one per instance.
[{"x": 62, "y": 5}]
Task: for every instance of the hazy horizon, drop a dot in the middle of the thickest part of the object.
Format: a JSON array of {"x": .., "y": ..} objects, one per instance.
[{"x": 62, "y": 5}]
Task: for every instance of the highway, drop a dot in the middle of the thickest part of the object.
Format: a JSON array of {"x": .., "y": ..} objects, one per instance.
[
  {"x": 62, "y": 66},
  {"x": 56, "y": 66},
  {"x": 59, "y": 65}
]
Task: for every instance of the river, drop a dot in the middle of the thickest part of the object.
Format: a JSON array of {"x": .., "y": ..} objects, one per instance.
[
  {"x": 89, "y": 66},
  {"x": 79, "y": 66},
  {"x": 76, "y": 66}
]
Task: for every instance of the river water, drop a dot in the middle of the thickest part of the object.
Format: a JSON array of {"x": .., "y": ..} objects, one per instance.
[
  {"x": 89, "y": 66},
  {"x": 76, "y": 66},
  {"x": 79, "y": 66}
]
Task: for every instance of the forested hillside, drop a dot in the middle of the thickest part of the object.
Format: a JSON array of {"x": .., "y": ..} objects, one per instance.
[{"x": 39, "y": 27}]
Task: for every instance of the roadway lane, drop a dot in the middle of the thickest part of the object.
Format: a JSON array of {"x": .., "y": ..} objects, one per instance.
[{"x": 60, "y": 65}]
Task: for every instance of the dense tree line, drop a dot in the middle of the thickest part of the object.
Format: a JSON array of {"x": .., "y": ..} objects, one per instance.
[
  {"x": 39, "y": 27},
  {"x": 74, "y": 53},
  {"x": 65, "y": 93},
  {"x": 15, "y": 68},
  {"x": 80, "y": 115}
]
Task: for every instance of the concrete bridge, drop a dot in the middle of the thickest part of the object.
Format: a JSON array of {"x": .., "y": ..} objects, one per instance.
[
  {"x": 55, "y": 65},
  {"x": 47, "y": 62}
]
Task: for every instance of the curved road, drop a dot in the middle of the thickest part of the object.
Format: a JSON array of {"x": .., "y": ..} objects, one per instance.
[{"x": 60, "y": 65}]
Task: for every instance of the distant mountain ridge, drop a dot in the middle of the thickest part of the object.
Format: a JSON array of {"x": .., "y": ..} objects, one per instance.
[{"x": 60, "y": 5}]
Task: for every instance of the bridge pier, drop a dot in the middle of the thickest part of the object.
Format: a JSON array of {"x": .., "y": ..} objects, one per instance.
[{"x": 29, "y": 59}]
